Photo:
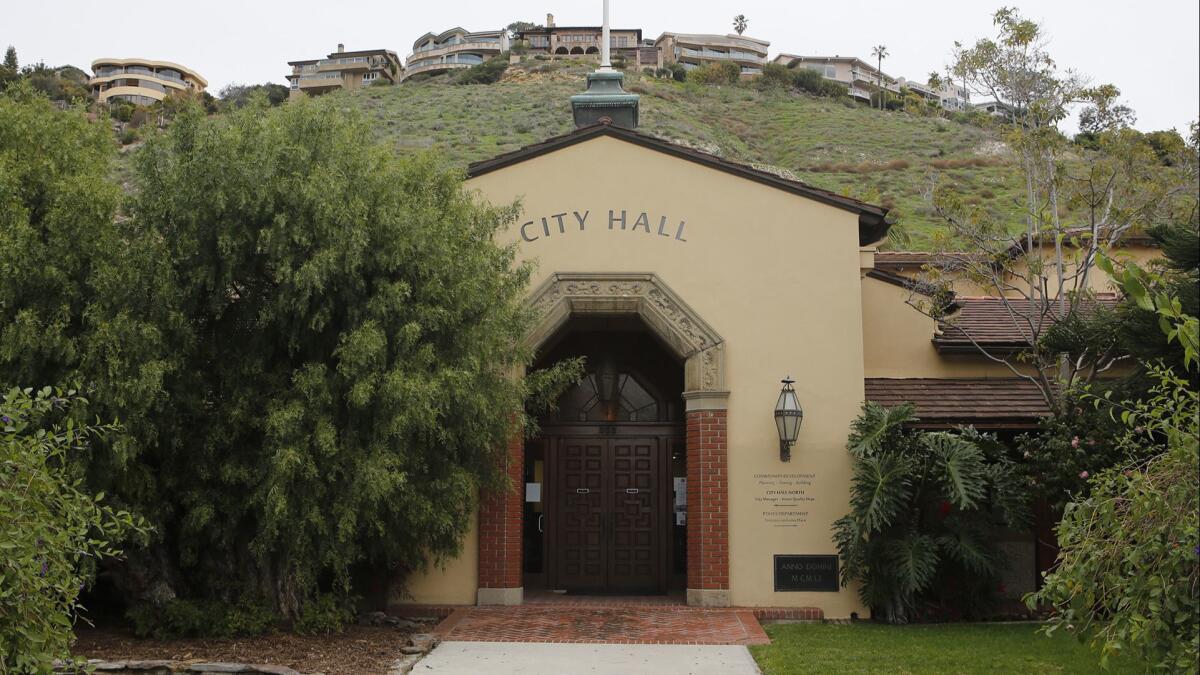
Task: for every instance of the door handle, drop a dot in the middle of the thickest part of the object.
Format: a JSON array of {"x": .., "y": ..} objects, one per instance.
[
  {"x": 540, "y": 517},
  {"x": 582, "y": 491}
]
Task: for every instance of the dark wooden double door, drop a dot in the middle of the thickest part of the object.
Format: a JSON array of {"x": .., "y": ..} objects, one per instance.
[{"x": 607, "y": 510}]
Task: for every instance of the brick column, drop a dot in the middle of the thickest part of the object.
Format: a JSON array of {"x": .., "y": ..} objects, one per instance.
[
  {"x": 500, "y": 534},
  {"x": 707, "y": 500}
]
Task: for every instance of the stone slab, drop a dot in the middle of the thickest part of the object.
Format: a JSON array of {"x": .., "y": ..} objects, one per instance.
[{"x": 539, "y": 658}]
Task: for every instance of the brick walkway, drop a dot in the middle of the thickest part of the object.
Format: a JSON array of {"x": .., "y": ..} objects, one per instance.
[{"x": 648, "y": 624}]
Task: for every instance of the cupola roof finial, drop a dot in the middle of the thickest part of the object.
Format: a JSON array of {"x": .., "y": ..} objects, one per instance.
[{"x": 605, "y": 99}]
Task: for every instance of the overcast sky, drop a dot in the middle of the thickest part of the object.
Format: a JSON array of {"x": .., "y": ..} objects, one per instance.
[{"x": 1150, "y": 48}]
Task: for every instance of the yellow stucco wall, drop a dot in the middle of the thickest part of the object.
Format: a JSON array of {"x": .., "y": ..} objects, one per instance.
[
  {"x": 452, "y": 582},
  {"x": 898, "y": 339},
  {"x": 1098, "y": 281},
  {"x": 776, "y": 274}
]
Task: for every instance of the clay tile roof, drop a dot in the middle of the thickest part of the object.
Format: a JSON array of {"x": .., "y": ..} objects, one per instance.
[
  {"x": 992, "y": 322},
  {"x": 903, "y": 258},
  {"x": 1007, "y": 402}
]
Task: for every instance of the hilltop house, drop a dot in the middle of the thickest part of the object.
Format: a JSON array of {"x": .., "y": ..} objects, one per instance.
[
  {"x": 141, "y": 81},
  {"x": 695, "y": 50},
  {"x": 454, "y": 48},
  {"x": 861, "y": 78},
  {"x": 344, "y": 70},
  {"x": 583, "y": 41},
  {"x": 947, "y": 95}
]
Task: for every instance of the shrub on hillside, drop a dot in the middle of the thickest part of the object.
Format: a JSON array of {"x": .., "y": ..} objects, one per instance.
[
  {"x": 488, "y": 72},
  {"x": 724, "y": 73},
  {"x": 800, "y": 79}
]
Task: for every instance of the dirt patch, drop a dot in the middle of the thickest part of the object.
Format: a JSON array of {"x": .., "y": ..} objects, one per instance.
[{"x": 362, "y": 650}]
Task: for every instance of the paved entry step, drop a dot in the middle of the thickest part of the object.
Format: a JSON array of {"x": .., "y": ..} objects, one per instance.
[
  {"x": 512, "y": 658},
  {"x": 607, "y": 625}
]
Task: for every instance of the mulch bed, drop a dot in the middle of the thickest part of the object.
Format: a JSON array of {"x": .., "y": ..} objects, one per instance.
[{"x": 359, "y": 650}]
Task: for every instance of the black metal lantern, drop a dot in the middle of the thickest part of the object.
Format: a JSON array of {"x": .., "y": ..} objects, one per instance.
[{"x": 788, "y": 416}]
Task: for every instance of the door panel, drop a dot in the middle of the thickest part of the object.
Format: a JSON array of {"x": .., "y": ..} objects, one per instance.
[
  {"x": 579, "y": 525},
  {"x": 637, "y": 536},
  {"x": 607, "y": 523}
]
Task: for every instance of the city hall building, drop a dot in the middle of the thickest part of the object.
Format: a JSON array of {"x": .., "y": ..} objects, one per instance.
[{"x": 694, "y": 286}]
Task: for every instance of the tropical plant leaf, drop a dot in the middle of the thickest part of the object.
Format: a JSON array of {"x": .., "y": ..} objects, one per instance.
[
  {"x": 963, "y": 543},
  {"x": 880, "y": 490},
  {"x": 1009, "y": 494},
  {"x": 959, "y": 468},
  {"x": 876, "y": 426},
  {"x": 852, "y": 547},
  {"x": 914, "y": 559}
]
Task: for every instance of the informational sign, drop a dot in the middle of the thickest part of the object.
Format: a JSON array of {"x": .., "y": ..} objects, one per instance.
[
  {"x": 680, "y": 506},
  {"x": 533, "y": 492},
  {"x": 813, "y": 573},
  {"x": 783, "y": 499}
]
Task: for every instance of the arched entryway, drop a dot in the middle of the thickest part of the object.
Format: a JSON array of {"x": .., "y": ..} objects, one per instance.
[
  {"x": 566, "y": 299},
  {"x": 609, "y": 466}
]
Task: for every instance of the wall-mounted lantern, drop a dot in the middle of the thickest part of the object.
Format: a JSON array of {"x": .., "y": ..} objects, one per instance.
[{"x": 788, "y": 416}]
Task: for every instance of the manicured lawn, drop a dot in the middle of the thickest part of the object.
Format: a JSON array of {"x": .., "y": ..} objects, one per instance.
[{"x": 942, "y": 648}]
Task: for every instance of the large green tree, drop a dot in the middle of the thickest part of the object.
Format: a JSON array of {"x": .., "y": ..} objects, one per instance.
[
  {"x": 1127, "y": 577},
  {"x": 314, "y": 344}
]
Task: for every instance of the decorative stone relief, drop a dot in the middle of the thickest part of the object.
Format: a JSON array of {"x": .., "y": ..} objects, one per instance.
[{"x": 646, "y": 295}]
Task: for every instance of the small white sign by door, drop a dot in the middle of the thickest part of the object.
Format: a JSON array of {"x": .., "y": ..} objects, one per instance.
[{"x": 533, "y": 492}]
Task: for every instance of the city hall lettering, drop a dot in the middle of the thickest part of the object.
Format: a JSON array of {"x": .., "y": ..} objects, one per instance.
[{"x": 617, "y": 220}]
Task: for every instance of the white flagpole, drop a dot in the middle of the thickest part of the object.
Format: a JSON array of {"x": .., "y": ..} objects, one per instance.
[{"x": 605, "y": 62}]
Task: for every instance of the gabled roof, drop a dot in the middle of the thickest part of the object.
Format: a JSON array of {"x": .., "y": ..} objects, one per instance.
[
  {"x": 1002, "y": 402},
  {"x": 872, "y": 225},
  {"x": 1001, "y": 324}
]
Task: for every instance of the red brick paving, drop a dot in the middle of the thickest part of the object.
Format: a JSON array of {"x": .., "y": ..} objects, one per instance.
[{"x": 647, "y": 624}]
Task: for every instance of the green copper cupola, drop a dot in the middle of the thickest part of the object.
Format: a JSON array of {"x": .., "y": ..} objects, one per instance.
[{"x": 605, "y": 100}]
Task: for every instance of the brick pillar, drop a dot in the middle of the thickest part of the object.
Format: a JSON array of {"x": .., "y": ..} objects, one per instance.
[
  {"x": 707, "y": 503},
  {"x": 500, "y": 534}
]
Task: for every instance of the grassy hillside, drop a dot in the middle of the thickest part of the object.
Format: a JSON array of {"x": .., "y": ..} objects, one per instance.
[{"x": 884, "y": 157}]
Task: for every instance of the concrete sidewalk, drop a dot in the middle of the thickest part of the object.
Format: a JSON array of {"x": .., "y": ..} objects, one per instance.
[{"x": 544, "y": 658}]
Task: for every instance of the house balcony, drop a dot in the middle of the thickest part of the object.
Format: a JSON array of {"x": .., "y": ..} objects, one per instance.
[
  {"x": 320, "y": 81},
  {"x": 153, "y": 80},
  {"x": 748, "y": 58},
  {"x": 452, "y": 62},
  {"x": 491, "y": 47}
]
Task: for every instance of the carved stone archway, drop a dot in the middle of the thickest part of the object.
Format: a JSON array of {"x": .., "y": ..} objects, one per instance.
[{"x": 702, "y": 349}]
